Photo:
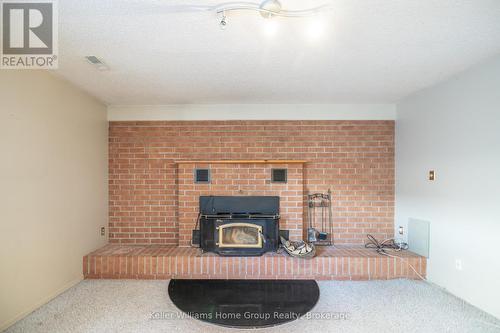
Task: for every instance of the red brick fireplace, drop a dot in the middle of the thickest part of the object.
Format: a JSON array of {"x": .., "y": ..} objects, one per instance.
[
  {"x": 153, "y": 199},
  {"x": 353, "y": 158}
]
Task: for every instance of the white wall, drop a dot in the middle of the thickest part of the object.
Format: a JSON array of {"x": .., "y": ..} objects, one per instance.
[
  {"x": 454, "y": 129},
  {"x": 254, "y": 112},
  {"x": 53, "y": 192}
]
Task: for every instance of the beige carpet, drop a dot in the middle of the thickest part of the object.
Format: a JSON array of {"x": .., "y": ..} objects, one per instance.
[{"x": 371, "y": 306}]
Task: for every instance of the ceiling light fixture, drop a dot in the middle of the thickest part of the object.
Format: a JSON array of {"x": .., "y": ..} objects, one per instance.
[
  {"x": 270, "y": 7},
  {"x": 267, "y": 9}
]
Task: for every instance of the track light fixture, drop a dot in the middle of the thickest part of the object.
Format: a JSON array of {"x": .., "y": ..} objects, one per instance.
[{"x": 267, "y": 9}]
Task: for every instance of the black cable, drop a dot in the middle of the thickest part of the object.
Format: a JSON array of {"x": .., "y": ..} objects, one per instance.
[{"x": 380, "y": 247}]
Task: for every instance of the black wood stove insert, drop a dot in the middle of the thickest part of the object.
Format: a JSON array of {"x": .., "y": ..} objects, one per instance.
[{"x": 239, "y": 225}]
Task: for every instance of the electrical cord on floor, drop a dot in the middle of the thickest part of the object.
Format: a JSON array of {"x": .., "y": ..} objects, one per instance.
[
  {"x": 389, "y": 244},
  {"x": 381, "y": 247}
]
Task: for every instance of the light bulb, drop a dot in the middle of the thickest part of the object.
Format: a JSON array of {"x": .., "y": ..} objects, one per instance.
[
  {"x": 315, "y": 30},
  {"x": 223, "y": 22},
  {"x": 270, "y": 28}
]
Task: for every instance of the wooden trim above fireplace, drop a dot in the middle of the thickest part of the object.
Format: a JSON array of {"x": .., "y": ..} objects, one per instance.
[{"x": 240, "y": 162}]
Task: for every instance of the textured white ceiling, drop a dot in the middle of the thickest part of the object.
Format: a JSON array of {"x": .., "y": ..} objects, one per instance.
[{"x": 373, "y": 51}]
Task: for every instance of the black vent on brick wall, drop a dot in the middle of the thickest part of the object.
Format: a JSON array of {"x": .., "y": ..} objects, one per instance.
[
  {"x": 202, "y": 175},
  {"x": 279, "y": 175}
]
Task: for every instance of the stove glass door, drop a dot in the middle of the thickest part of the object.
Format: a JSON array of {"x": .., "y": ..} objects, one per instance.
[{"x": 241, "y": 235}]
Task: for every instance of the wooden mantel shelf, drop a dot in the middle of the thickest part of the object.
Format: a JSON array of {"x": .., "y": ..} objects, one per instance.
[{"x": 240, "y": 162}]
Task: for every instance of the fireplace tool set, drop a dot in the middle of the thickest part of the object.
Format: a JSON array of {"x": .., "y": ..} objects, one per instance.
[{"x": 320, "y": 228}]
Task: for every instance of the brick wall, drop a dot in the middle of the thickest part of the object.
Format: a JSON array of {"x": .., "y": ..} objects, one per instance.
[
  {"x": 241, "y": 179},
  {"x": 353, "y": 158}
]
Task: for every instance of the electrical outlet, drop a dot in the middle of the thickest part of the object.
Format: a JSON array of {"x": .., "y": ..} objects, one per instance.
[
  {"x": 401, "y": 230},
  {"x": 103, "y": 231},
  {"x": 458, "y": 264}
]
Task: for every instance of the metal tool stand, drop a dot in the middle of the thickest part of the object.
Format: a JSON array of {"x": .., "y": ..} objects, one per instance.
[{"x": 320, "y": 227}]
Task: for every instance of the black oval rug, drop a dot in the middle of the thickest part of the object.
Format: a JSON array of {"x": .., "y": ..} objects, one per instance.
[{"x": 244, "y": 303}]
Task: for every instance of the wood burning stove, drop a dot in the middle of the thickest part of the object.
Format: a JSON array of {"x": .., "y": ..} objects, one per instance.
[{"x": 239, "y": 225}]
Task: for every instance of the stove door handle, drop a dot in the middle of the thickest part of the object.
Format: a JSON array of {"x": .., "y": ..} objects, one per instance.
[{"x": 261, "y": 235}]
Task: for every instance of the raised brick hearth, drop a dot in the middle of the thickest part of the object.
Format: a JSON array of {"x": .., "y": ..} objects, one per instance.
[
  {"x": 153, "y": 199},
  {"x": 166, "y": 262}
]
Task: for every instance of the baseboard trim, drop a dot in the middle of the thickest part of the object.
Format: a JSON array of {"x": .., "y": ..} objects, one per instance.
[{"x": 51, "y": 296}]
